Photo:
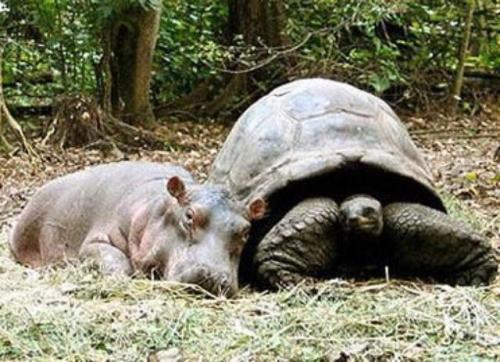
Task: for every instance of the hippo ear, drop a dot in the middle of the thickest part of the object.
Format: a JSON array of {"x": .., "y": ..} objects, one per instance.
[
  {"x": 257, "y": 208},
  {"x": 177, "y": 189}
]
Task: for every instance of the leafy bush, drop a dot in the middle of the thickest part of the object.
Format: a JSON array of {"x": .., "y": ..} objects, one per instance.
[
  {"x": 384, "y": 45},
  {"x": 403, "y": 50},
  {"x": 190, "y": 37}
]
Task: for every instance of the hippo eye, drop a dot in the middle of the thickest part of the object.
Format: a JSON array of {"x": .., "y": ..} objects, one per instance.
[
  {"x": 244, "y": 233},
  {"x": 189, "y": 214}
]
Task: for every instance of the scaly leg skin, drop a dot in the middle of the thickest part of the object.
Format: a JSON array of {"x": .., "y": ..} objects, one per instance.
[
  {"x": 427, "y": 242},
  {"x": 300, "y": 246},
  {"x": 111, "y": 260}
]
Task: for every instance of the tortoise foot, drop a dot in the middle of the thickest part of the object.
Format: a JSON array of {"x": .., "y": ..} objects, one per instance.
[
  {"x": 483, "y": 272},
  {"x": 284, "y": 279},
  {"x": 426, "y": 242},
  {"x": 301, "y": 245}
]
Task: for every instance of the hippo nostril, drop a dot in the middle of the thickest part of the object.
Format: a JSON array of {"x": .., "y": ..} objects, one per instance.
[
  {"x": 221, "y": 284},
  {"x": 226, "y": 285},
  {"x": 222, "y": 279}
]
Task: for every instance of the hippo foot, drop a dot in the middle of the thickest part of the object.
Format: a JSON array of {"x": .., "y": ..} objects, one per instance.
[
  {"x": 111, "y": 260},
  {"x": 426, "y": 242},
  {"x": 301, "y": 245}
]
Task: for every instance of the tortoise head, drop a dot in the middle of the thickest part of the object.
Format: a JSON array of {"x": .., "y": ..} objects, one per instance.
[{"x": 362, "y": 215}]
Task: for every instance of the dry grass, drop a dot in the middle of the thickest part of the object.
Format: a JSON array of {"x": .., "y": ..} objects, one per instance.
[{"x": 74, "y": 314}]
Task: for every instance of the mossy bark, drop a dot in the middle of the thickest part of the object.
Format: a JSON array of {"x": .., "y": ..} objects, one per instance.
[
  {"x": 260, "y": 22},
  {"x": 131, "y": 39}
]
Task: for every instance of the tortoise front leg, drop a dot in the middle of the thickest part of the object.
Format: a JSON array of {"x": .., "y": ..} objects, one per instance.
[
  {"x": 301, "y": 245},
  {"x": 427, "y": 242}
]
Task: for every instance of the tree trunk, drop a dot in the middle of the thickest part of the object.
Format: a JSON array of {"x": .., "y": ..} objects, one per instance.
[
  {"x": 459, "y": 76},
  {"x": 5, "y": 114},
  {"x": 131, "y": 45},
  {"x": 262, "y": 23},
  {"x": 482, "y": 37}
]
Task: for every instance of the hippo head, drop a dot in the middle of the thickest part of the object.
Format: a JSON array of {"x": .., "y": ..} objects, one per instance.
[{"x": 198, "y": 235}]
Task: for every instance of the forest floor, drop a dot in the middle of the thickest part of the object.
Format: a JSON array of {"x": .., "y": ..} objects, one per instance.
[{"x": 74, "y": 314}]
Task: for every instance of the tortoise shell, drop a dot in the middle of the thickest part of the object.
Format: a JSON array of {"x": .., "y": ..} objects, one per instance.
[{"x": 311, "y": 129}]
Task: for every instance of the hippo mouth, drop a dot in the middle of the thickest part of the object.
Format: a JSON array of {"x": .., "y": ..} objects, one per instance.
[{"x": 216, "y": 283}]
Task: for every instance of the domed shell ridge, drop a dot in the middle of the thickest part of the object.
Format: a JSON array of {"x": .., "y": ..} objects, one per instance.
[
  {"x": 262, "y": 135},
  {"x": 312, "y": 127}
]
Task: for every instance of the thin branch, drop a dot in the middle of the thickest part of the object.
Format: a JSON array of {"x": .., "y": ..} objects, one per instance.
[
  {"x": 459, "y": 133},
  {"x": 267, "y": 61},
  {"x": 8, "y": 116}
]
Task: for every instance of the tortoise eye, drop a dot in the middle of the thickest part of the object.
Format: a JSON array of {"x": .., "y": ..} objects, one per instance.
[{"x": 368, "y": 211}]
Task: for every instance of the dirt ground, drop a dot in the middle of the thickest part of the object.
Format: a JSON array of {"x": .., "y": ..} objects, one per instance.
[{"x": 463, "y": 154}]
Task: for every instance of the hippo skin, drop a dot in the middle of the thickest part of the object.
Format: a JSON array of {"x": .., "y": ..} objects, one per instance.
[{"x": 138, "y": 217}]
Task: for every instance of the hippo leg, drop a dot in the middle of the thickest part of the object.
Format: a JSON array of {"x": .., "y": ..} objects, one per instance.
[
  {"x": 300, "y": 245},
  {"x": 111, "y": 260},
  {"x": 427, "y": 242}
]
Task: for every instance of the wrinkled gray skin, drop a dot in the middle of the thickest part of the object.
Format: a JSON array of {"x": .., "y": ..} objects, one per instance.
[
  {"x": 134, "y": 217},
  {"x": 313, "y": 144}
]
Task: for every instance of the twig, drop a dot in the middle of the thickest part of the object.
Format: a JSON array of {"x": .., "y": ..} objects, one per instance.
[
  {"x": 266, "y": 61},
  {"x": 451, "y": 130},
  {"x": 488, "y": 135}
]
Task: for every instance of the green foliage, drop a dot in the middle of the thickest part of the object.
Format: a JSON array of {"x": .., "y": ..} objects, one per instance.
[
  {"x": 61, "y": 38},
  {"x": 189, "y": 39},
  {"x": 388, "y": 45},
  {"x": 379, "y": 44},
  {"x": 403, "y": 50},
  {"x": 51, "y": 37},
  {"x": 103, "y": 10}
]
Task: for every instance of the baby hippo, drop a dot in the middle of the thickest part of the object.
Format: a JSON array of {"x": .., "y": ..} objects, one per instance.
[{"x": 132, "y": 217}]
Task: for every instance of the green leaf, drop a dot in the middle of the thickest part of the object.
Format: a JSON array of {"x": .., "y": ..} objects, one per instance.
[{"x": 471, "y": 176}]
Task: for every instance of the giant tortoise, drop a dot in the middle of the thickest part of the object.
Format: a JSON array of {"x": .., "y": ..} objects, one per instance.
[{"x": 347, "y": 189}]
